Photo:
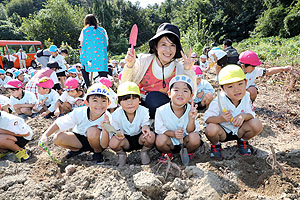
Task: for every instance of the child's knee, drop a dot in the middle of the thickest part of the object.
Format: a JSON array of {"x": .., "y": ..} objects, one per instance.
[
  {"x": 212, "y": 130},
  {"x": 151, "y": 139},
  {"x": 194, "y": 139},
  {"x": 256, "y": 126},
  {"x": 209, "y": 96},
  {"x": 161, "y": 140},
  {"x": 58, "y": 138},
  {"x": 93, "y": 133},
  {"x": 114, "y": 143}
]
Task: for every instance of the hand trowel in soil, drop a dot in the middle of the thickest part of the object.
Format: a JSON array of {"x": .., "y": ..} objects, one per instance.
[
  {"x": 133, "y": 36},
  {"x": 185, "y": 159}
]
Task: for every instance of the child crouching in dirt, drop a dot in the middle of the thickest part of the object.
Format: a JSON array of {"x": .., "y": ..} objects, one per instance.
[
  {"x": 69, "y": 98},
  {"x": 21, "y": 101},
  {"x": 231, "y": 115},
  {"x": 14, "y": 135},
  {"x": 205, "y": 91},
  {"x": 249, "y": 62},
  {"x": 177, "y": 119},
  {"x": 132, "y": 120},
  {"x": 86, "y": 135},
  {"x": 47, "y": 97}
]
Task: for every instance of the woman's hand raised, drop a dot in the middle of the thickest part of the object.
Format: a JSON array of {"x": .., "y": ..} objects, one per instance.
[
  {"x": 130, "y": 58},
  {"x": 188, "y": 62}
]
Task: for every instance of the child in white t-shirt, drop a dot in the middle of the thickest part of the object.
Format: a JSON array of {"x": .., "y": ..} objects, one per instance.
[
  {"x": 205, "y": 91},
  {"x": 132, "y": 120},
  {"x": 231, "y": 115},
  {"x": 219, "y": 57},
  {"x": 176, "y": 120},
  {"x": 87, "y": 134},
  {"x": 21, "y": 101},
  {"x": 249, "y": 62},
  {"x": 14, "y": 135},
  {"x": 19, "y": 75},
  {"x": 204, "y": 65},
  {"x": 47, "y": 97},
  {"x": 71, "y": 98},
  {"x": 3, "y": 79}
]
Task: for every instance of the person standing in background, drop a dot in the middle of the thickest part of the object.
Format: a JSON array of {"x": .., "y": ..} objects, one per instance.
[
  {"x": 22, "y": 57},
  {"x": 93, "y": 49}
]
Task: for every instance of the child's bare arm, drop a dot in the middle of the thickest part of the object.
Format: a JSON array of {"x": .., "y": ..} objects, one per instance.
[
  {"x": 52, "y": 129},
  {"x": 275, "y": 70},
  {"x": 3, "y": 131},
  {"x": 18, "y": 106},
  {"x": 241, "y": 118}
]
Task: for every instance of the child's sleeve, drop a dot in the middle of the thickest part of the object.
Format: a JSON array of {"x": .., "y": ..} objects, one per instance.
[
  {"x": 260, "y": 71},
  {"x": 250, "y": 108},
  {"x": 146, "y": 117},
  {"x": 197, "y": 126},
  {"x": 208, "y": 88},
  {"x": 63, "y": 96},
  {"x": 115, "y": 120},
  {"x": 54, "y": 99},
  {"x": 67, "y": 121},
  {"x": 213, "y": 110},
  {"x": 158, "y": 124}
]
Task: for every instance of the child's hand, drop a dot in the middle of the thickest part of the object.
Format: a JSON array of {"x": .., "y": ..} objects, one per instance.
[
  {"x": 179, "y": 134},
  {"x": 188, "y": 62},
  {"x": 56, "y": 113},
  {"x": 130, "y": 58},
  {"x": 42, "y": 103},
  {"x": 44, "y": 114},
  {"x": 44, "y": 139},
  {"x": 227, "y": 116},
  {"x": 193, "y": 112},
  {"x": 146, "y": 131},
  {"x": 238, "y": 121},
  {"x": 200, "y": 94},
  {"x": 105, "y": 120},
  {"x": 120, "y": 135},
  {"x": 287, "y": 68}
]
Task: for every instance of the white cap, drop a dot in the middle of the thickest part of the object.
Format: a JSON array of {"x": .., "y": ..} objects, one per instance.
[{"x": 203, "y": 56}]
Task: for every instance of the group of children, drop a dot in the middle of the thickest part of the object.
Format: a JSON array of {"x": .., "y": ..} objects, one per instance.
[{"x": 229, "y": 116}]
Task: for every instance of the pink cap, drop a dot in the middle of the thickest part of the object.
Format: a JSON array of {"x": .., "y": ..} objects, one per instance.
[
  {"x": 45, "y": 82},
  {"x": 250, "y": 58},
  {"x": 105, "y": 81},
  {"x": 120, "y": 76},
  {"x": 197, "y": 71},
  {"x": 14, "y": 83},
  {"x": 71, "y": 84}
]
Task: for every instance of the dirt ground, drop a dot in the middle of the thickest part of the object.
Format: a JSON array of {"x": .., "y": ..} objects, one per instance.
[{"x": 235, "y": 177}]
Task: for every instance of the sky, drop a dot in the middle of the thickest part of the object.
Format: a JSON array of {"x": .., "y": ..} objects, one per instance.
[{"x": 144, "y": 3}]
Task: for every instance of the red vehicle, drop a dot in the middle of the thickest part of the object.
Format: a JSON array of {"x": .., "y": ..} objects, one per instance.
[{"x": 10, "y": 48}]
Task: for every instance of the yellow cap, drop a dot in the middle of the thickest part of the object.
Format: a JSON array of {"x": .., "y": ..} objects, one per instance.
[
  {"x": 128, "y": 88},
  {"x": 231, "y": 74}
]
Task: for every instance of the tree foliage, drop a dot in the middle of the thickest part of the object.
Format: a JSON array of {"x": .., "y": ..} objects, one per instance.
[{"x": 58, "y": 20}]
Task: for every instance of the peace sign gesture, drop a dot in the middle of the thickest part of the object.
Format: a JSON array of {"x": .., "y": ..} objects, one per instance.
[
  {"x": 188, "y": 62},
  {"x": 193, "y": 112}
]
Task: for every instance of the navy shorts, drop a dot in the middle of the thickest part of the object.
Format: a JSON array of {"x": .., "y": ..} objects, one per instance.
[
  {"x": 133, "y": 142},
  {"x": 85, "y": 143},
  {"x": 21, "y": 142},
  {"x": 229, "y": 136}
]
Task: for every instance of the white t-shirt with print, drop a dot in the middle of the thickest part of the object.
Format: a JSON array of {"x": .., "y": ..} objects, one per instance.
[
  {"x": 15, "y": 124},
  {"x": 251, "y": 77},
  {"x": 166, "y": 120},
  {"x": 245, "y": 106},
  {"x": 51, "y": 101},
  {"x": 61, "y": 62},
  {"x": 120, "y": 121},
  {"x": 79, "y": 121},
  {"x": 204, "y": 66},
  {"x": 28, "y": 98}
]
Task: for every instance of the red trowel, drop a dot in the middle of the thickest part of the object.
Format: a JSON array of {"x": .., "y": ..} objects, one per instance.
[{"x": 133, "y": 36}]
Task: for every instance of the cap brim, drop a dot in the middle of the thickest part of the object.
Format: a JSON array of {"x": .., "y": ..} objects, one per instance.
[{"x": 9, "y": 86}]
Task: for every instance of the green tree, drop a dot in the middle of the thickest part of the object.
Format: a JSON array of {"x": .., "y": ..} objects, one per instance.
[{"x": 58, "y": 21}]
